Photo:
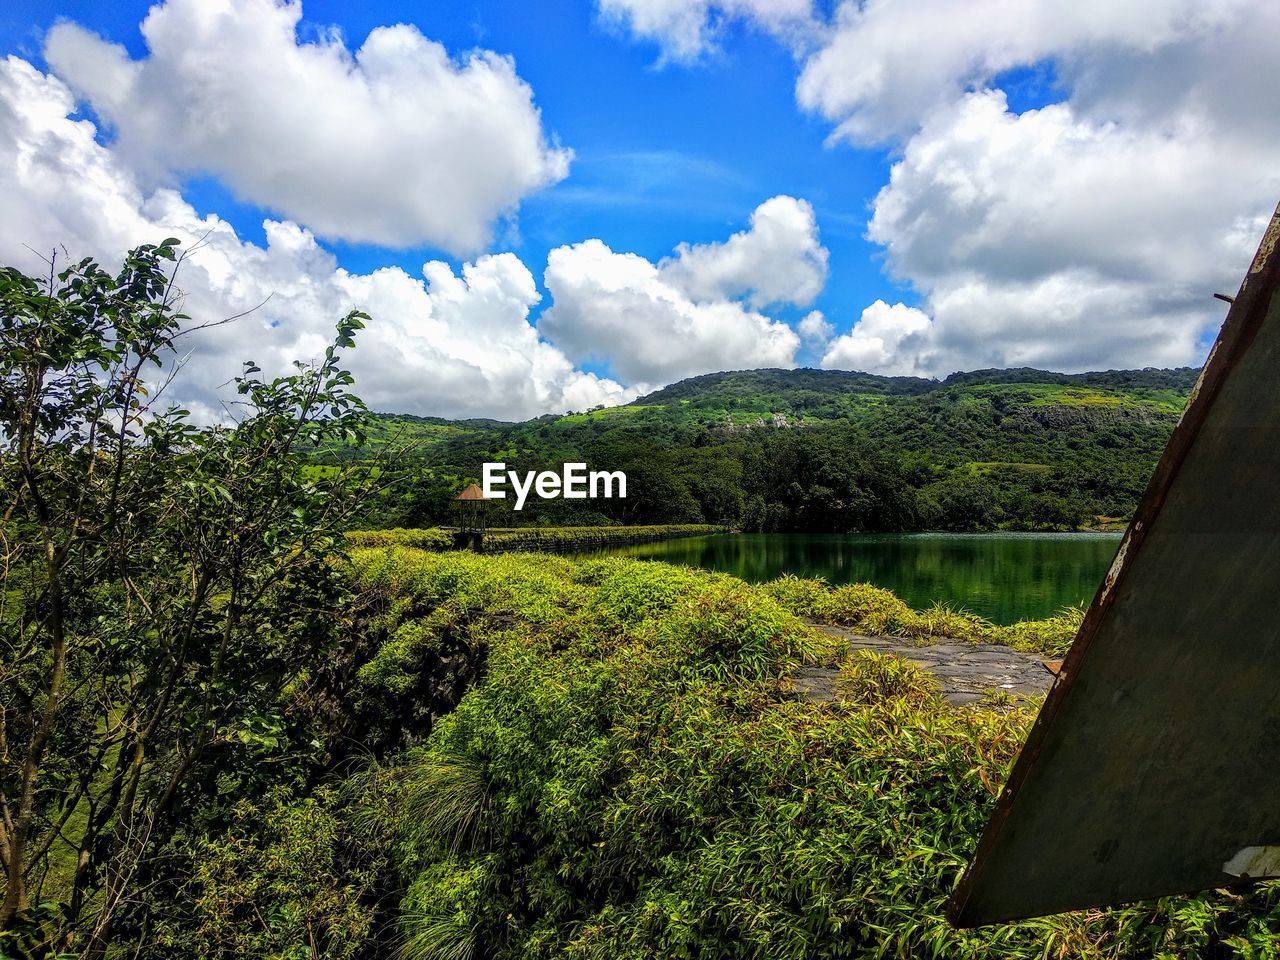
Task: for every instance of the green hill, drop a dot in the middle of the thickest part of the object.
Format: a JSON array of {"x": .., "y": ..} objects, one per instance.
[{"x": 822, "y": 450}]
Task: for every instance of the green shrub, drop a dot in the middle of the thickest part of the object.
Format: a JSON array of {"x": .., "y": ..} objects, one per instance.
[
  {"x": 536, "y": 539},
  {"x": 872, "y": 678},
  {"x": 442, "y": 911},
  {"x": 277, "y": 884},
  {"x": 872, "y": 610},
  {"x": 426, "y": 539},
  {"x": 1051, "y": 636},
  {"x": 637, "y": 782}
]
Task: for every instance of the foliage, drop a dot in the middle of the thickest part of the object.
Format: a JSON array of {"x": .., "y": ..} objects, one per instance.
[
  {"x": 223, "y": 733},
  {"x": 572, "y": 539},
  {"x": 162, "y": 586},
  {"x": 280, "y": 882},
  {"x": 541, "y": 539},
  {"x": 638, "y": 780},
  {"x": 872, "y": 678},
  {"x": 429, "y": 539},
  {"x": 819, "y": 450},
  {"x": 873, "y": 610}
]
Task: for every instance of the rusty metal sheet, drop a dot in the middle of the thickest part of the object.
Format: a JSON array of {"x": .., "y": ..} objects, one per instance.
[{"x": 1154, "y": 766}]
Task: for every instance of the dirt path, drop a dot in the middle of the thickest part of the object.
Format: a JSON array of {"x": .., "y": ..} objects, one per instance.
[{"x": 966, "y": 672}]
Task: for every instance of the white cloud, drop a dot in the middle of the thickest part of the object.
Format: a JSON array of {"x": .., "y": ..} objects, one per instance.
[
  {"x": 395, "y": 143},
  {"x": 814, "y": 328},
  {"x": 885, "y": 65},
  {"x": 687, "y": 30},
  {"x": 778, "y": 260},
  {"x": 444, "y": 344},
  {"x": 886, "y": 340},
  {"x": 1067, "y": 320},
  {"x": 694, "y": 312},
  {"x": 1088, "y": 233},
  {"x": 1022, "y": 195},
  {"x": 622, "y": 308},
  {"x": 1057, "y": 240}
]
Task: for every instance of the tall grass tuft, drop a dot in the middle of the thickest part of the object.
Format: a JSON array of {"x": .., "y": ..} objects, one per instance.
[
  {"x": 432, "y": 935},
  {"x": 871, "y": 678},
  {"x": 440, "y": 918},
  {"x": 442, "y": 800},
  {"x": 869, "y": 609}
]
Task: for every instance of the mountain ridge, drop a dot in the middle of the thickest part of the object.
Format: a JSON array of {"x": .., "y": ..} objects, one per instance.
[
  {"x": 828, "y": 381},
  {"x": 804, "y": 449}
]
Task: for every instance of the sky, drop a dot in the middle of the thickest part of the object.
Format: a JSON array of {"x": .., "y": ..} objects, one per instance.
[{"x": 546, "y": 207}]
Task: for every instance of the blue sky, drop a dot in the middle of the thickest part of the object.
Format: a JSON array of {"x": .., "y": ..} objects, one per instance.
[
  {"x": 663, "y": 155},
  {"x": 985, "y": 181}
]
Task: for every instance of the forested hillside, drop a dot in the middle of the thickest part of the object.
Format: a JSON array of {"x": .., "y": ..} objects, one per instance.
[
  {"x": 821, "y": 450},
  {"x": 230, "y": 730}
]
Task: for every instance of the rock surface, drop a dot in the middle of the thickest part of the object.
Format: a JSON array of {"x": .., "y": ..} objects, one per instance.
[{"x": 966, "y": 672}]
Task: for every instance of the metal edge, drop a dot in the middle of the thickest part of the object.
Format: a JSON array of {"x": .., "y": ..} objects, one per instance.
[{"x": 1243, "y": 320}]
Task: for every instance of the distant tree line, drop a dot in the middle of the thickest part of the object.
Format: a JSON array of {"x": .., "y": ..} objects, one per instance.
[{"x": 1021, "y": 450}]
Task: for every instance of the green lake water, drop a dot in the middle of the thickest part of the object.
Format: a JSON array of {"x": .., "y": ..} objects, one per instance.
[{"x": 1004, "y": 577}]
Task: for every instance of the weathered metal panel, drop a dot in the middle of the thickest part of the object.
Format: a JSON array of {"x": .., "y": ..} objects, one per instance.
[{"x": 1154, "y": 766}]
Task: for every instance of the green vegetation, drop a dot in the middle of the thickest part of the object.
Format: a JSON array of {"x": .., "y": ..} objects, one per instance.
[
  {"x": 541, "y": 539},
  {"x": 869, "y": 609},
  {"x": 162, "y": 587},
  {"x": 224, "y": 733},
  {"x": 634, "y": 777},
  {"x": 428, "y": 539},
  {"x": 811, "y": 450},
  {"x": 573, "y": 539}
]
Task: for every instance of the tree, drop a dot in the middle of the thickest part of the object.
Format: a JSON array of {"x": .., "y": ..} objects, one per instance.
[
  {"x": 161, "y": 585},
  {"x": 961, "y": 503}
]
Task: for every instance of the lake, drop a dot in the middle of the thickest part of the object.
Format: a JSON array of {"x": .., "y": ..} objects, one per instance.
[{"x": 1004, "y": 577}]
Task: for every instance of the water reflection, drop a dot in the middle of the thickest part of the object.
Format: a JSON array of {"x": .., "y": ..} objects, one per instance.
[{"x": 1004, "y": 577}]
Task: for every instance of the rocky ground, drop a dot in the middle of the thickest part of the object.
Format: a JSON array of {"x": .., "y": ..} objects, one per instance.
[{"x": 966, "y": 672}]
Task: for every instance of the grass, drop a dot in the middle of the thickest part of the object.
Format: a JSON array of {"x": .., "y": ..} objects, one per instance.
[
  {"x": 872, "y": 610},
  {"x": 1151, "y": 399},
  {"x": 608, "y": 413},
  {"x": 980, "y": 468},
  {"x": 640, "y": 782},
  {"x": 538, "y": 539},
  {"x": 423, "y": 539}
]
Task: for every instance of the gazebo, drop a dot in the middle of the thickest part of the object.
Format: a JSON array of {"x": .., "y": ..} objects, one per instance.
[{"x": 472, "y": 507}]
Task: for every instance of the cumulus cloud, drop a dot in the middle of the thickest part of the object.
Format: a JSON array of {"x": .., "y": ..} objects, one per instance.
[
  {"x": 696, "y": 311},
  {"x": 624, "y": 309},
  {"x": 887, "y": 339},
  {"x": 687, "y": 30},
  {"x": 814, "y": 328},
  {"x": 444, "y": 343},
  {"x": 887, "y": 64},
  {"x": 778, "y": 260},
  {"x": 1060, "y": 240},
  {"x": 1067, "y": 320},
  {"x": 395, "y": 143},
  {"x": 1087, "y": 233},
  {"x": 1016, "y": 196}
]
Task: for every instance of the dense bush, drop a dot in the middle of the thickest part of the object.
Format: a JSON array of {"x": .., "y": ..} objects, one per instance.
[
  {"x": 283, "y": 874},
  {"x": 540, "y": 539},
  {"x": 870, "y": 609},
  {"x": 572, "y": 539},
  {"x": 424, "y": 539},
  {"x": 634, "y": 778},
  {"x": 162, "y": 588}
]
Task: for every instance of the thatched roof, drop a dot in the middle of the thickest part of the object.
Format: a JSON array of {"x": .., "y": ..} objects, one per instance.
[{"x": 473, "y": 492}]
